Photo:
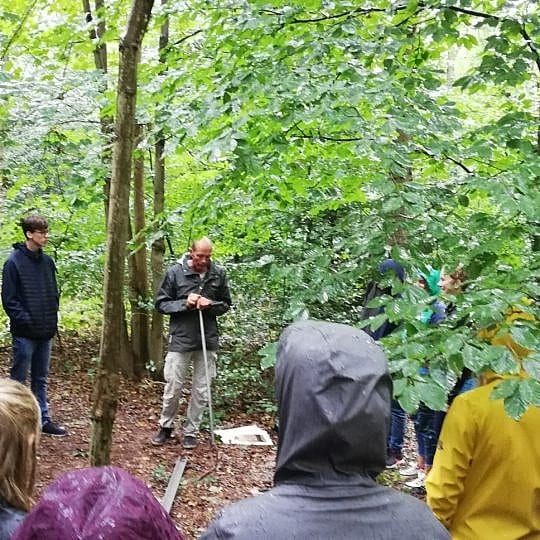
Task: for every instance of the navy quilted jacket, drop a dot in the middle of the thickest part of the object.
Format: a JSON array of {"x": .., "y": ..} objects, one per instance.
[{"x": 30, "y": 293}]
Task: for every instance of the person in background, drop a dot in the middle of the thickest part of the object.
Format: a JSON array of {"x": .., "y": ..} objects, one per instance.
[
  {"x": 105, "y": 503},
  {"x": 193, "y": 285},
  {"x": 485, "y": 480},
  {"x": 334, "y": 392},
  {"x": 430, "y": 282},
  {"x": 19, "y": 437},
  {"x": 30, "y": 298},
  {"x": 454, "y": 283},
  {"x": 426, "y": 420},
  {"x": 399, "y": 416}
]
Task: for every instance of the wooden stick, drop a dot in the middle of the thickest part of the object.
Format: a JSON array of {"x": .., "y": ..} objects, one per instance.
[{"x": 172, "y": 486}]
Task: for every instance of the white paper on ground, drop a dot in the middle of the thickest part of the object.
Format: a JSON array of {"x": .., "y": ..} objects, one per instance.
[{"x": 246, "y": 435}]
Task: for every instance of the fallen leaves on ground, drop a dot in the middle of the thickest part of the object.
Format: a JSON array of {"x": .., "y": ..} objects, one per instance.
[{"x": 215, "y": 475}]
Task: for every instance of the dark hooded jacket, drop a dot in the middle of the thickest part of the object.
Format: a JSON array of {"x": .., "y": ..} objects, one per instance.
[
  {"x": 374, "y": 290},
  {"x": 30, "y": 294},
  {"x": 10, "y": 519},
  {"x": 334, "y": 392},
  {"x": 104, "y": 503},
  {"x": 171, "y": 299}
]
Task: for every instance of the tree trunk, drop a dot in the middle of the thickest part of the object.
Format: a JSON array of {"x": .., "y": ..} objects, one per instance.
[
  {"x": 105, "y": 397},
  {"x": 158, "y": 246},
  {"x": 100, "y": 61},
  {"x": 398, "y": 234},
  {"x": 139, "y": 293}
]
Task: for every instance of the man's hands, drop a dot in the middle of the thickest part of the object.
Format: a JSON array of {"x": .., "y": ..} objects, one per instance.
[{"x": 196, "y": 301}]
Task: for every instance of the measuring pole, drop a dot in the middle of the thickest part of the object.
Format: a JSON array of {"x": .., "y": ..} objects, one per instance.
[{"x": 207, "y": 373}]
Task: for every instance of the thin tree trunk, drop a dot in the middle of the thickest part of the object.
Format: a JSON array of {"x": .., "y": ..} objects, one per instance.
[
  {"x": 139, "y": 292},
  {"x": 158, "y": 246},
  {"x": 101, "y": 63},
  {"x": 105, "y": 397},
  {"x": 398, "y": 236}
]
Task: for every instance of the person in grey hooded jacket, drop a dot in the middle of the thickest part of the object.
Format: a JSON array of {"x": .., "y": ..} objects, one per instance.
[{"x": 334, "y": 392}]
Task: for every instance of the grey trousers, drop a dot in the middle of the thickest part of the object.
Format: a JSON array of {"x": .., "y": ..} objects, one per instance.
[{"x": 175, "y": 371}]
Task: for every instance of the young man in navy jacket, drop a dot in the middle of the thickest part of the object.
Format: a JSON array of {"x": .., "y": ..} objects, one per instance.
[{"x": 30, "y": 298}]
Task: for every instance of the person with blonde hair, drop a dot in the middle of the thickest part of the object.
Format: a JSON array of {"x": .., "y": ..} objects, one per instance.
[{"x": 19, "y": 436}]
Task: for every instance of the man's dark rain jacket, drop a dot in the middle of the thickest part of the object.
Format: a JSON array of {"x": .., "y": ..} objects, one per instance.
[
  {"x": 334, "y": 391},
  {"x": 184, "y": 329}
]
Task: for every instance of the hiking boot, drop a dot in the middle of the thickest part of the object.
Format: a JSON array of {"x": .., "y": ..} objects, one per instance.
[
  {"x": 190, "y": 442},
  {"x": 162, "y": 436},
  {"x": 52, "y": 429}
]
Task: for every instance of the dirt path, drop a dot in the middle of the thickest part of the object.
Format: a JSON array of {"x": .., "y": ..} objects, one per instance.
[
  {"x": 214, "y": 476},
  {"x": 211, "y": 479}
]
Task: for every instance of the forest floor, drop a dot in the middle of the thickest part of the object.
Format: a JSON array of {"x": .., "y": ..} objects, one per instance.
[{"x": 214, "y": 475}]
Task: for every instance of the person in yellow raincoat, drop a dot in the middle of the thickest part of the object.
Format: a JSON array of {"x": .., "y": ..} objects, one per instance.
[{"x": 485, "y": 480}]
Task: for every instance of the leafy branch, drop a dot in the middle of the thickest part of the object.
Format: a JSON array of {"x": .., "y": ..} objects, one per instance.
[{"x": 20, "y": 26}]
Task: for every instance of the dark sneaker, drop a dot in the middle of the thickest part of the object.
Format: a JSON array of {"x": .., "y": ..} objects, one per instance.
[
  {"x": 394, "y": 460},
  {"x": 50, "y": 428},
  {"x": 162, "y": 436},
  {"x": 190, "y": 442}
]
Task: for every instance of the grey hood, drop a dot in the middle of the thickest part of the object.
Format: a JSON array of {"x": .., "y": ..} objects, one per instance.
[{"x": 334, "y": 391}]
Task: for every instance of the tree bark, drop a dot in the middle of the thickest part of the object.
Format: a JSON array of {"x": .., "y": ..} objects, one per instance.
[
  {"x": 139, "y": 291},
  {"x": 101, "y": 63},
  {"x": 105, "y": 399},
  {"x": 158, "y": 246}
]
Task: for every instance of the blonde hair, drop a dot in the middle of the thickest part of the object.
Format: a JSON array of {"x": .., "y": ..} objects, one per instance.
[{"x": 19, "y": 436}]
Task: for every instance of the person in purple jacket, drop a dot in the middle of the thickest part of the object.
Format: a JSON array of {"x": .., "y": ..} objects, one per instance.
[{"x": 105, "y": 503}]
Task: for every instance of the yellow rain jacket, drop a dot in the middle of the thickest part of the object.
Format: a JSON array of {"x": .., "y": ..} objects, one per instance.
[{"x": 485, "y": 480}]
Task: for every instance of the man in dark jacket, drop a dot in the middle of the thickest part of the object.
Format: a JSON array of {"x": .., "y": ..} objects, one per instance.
[
  {"x": 334, "y": 392},
  {"x": 194, "y": 285},
  {"x": 30, "y": 298}
]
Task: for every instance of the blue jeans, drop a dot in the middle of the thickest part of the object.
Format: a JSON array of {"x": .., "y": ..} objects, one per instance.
[
  {"x": 427, "y": 425},
  {"x": 397, "y": 428},
  {"x": 33, "y": 355}
]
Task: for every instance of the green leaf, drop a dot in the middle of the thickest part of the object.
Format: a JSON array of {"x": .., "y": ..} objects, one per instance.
[
  {"x": 268, "y": 354},
  {"x": 474, "y": 358},
  {"x": 376, "y": 322},
  {"x": 399, "y": 386},
  {"x": 501, "y": 360},
  {"x": 453, "y": 344},
  {"x": 432, "y": 395},
  {"x": 524, "y": 336},
  {"x": 409, "y": 399},
  {"x": 504, "y": 389},
  {"x": 463, "y": 200},
  {"x": 531, "y": 364},
  {"x": 515, "y": 406},
  {"x": 531, "y": 389}
]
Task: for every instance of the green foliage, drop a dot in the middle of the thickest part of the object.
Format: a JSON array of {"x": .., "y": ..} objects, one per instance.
[
  {"x": 309, "y": 140},
  {"x": 268, "y": 355},
  {"x": 80, "y": 315}
]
